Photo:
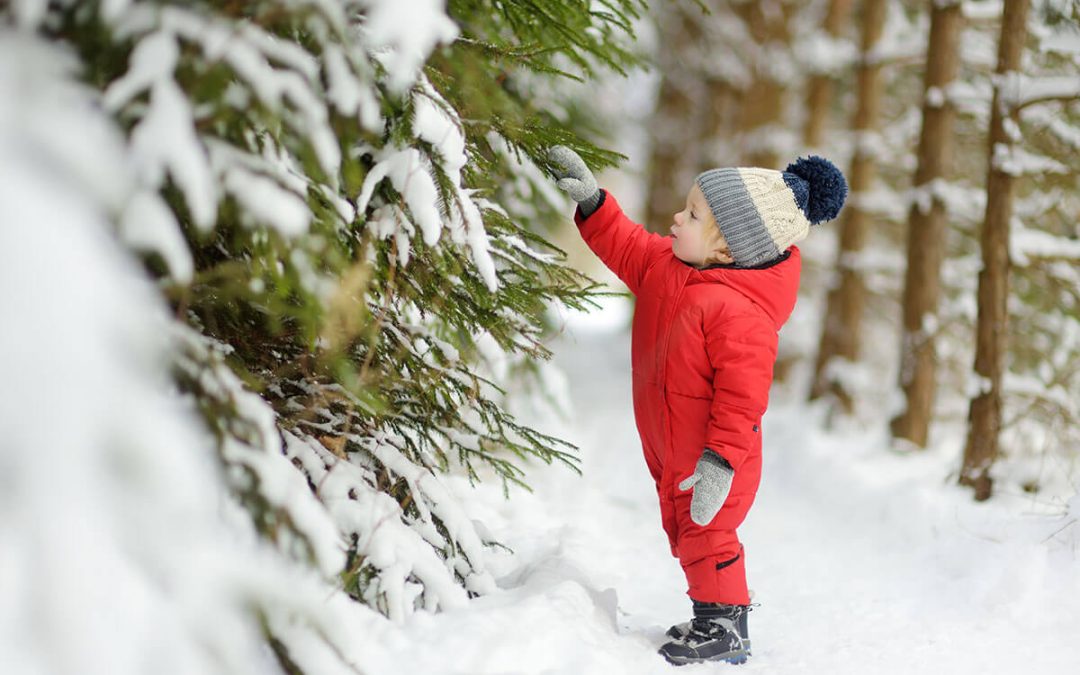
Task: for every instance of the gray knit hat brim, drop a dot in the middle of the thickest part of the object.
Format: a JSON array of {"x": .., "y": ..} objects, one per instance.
[{"x": 742, "y": 226}]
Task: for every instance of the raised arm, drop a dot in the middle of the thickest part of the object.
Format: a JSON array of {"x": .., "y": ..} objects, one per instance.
[{"x": 625, "y": 247}]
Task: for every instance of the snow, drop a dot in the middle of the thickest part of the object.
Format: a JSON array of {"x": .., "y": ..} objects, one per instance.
[
  {"x": 123, "y": 547},
  {"x": 404, "y": 33},
  {"x": 821, "y": 53},
  {"x": 1034, "y": 89},
  {"x": 1065, "y": 41},
  {"x": 148, "y": 225},
  {"x": 861, "y": 559},
  {"x": 165, "y": 141},
  {"x": 902, "y": 37},
  {"x": 1016, "y": 161},
  {"x": 268, "y": 202},
  {"x": 961, "y": 201},
  {"x": 970, "y": 98},
  {"x": 432, "y": 123},
  {"x": 984, "y": 10},
  {"x": 346, "y": 92},
  {"x": 109, "y": 522},
  {"x": 407, "y": 173},
  {"x": 935, "y": 97},
  {"x": 1025, "y": 242},
  {"x": 119, "y": 512}
]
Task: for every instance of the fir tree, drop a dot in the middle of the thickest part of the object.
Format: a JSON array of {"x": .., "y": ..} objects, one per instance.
[{"x": 341, "y": 210}]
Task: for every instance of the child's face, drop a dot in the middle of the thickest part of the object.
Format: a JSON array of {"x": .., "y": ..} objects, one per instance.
[{"x": 695, "y": 236}]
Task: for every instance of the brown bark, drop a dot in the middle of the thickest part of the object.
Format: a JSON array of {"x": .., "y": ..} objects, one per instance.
[
  {"x": 984, "y": 416},
  {"x": 723, "y": 103},
  {"x": 763, "y": 102},
  {"x": 819, "y": 91},
  {"x": 926, "y": 230},
  {"x": 676, "y": 121},
  {"x": 841, "y": 329}
]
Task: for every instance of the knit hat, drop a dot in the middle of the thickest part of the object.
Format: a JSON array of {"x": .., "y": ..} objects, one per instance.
[{"x": 761, "y": 212}]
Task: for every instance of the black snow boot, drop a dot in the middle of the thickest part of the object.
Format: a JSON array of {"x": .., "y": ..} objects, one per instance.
[{"x": 716, "y": 633}]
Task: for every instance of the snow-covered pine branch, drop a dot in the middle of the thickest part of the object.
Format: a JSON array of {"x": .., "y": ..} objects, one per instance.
[{"x": 305, "y": 238}]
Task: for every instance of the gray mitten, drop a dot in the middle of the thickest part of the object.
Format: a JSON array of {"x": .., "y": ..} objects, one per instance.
[
  {"x": 575, "y": 179},
  {"x": 711, "y": 481}
]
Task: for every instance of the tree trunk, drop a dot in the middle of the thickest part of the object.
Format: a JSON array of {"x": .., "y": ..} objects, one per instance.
[
  {"x": 763, "y": 102},
  {"x": 984, "y": 416},
  {"x": 926, "y": 229},
  {"x": 841, "y": 328},
  {"x": 820, "y": 89},
  {"x": 676, "y": 121}
]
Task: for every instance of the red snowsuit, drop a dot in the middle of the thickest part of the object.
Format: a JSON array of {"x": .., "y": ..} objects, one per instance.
[{"x": 702, "y": 354}]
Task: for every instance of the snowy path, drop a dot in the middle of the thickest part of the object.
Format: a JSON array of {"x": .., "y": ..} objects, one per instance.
[{"x": 862, "y": 561}]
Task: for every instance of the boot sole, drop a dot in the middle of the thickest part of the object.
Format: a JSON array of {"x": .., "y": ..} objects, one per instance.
[{"x": 734, "y": 658}]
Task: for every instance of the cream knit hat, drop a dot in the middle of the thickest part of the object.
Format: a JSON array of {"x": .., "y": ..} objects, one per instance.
[{"x": 761, "y": 212}]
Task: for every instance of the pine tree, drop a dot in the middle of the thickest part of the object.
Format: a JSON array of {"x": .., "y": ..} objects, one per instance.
[
  {"x": 819, "y": 90},
  {"x": 926, "y": 227},
  {"x": 841, "y": 330},
  {"x": 676, "y": 122},
  {"x": 341, "y": 210},
  {"x": 985, "y": 416},
  {"x": 761, "y": 130},
  {"x": 1039, "y": 350}
]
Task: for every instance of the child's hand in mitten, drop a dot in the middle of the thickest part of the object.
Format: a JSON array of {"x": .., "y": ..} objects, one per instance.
[
  {"x": 711, "y": 482},
  {"x": 575, "y": 179}
]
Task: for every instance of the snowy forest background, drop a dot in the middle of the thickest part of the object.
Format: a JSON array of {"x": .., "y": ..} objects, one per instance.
[{"x": 280, "y": 282}]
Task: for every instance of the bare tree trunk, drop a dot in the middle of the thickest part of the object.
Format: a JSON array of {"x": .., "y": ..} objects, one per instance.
[
  {"x": 820, "y": 89},
  {"x": 841, "y": 330},
  {"x": 991, "y": 328},
  {"x": 763, "y": 103},
  {"x": 926, "y": 229},
  {"x": 676, "y": 122}
]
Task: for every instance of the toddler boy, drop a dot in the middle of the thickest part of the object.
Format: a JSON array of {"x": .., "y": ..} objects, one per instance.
[{"x": 710, "y": 300}]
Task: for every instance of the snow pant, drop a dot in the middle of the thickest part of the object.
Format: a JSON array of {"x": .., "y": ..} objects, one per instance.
[{"x": 711, "y": 556}]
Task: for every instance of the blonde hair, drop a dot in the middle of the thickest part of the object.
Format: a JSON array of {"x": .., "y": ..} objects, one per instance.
[{"x": 717, "y": 246}]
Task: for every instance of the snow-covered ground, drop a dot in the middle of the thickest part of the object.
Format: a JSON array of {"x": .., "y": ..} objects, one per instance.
[{"x": 861, "y": 560}]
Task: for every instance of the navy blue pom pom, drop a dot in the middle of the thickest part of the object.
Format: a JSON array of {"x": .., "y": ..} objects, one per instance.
[{"x": 822, "y": 190}]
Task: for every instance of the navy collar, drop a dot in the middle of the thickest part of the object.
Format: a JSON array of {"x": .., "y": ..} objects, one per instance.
[{"x": 733, "y": 266}]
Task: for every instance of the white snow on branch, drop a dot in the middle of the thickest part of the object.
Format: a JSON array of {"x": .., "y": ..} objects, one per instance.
[
  {"x": 984, "y": 10},
  {"x": 267, "y": 201},
  {"x": 901, "y": 38},
  {"x": 1016, "y": 161},
  {"x": 437, "y": 125},
  {"x": 1025, "y": 243},
  {"x": 880, "y": 199},
  {"x": 1019, "y": 90},
  {"x": 347, "y": 93},
  {"x": 408, "y": 174},
  {"x": 164, "y": 140},
  {"x": 154, "y": 58},
  {"x": 383, "y": 537},
  {"x": 259, "y": 451},
  {"x": 1066, "y": 40},
  {"x": 961, "y": 201},
  {"x": 129, "y": 480},
  {"x": 821, "y": 53},
  {"x": 149, "y": 225},
  {"x": 517, "y": 243},
  {"x": 403, "y": 33},
  {"x": 971, "y": 98},
  {"x": 1029, "y": 386}
]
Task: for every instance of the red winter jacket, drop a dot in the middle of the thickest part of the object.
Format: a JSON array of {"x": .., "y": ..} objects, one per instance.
[{"x": 703, "y": 348}]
